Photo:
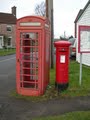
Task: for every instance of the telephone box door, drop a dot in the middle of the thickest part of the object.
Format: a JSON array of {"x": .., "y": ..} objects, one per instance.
[{"x": 29, "y": 59}]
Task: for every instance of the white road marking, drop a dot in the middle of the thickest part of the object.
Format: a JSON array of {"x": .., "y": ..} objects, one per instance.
[{"x": 7, "y": 59}]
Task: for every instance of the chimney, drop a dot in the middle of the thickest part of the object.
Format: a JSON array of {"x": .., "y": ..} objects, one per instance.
[{"x": 14, "y": 11}]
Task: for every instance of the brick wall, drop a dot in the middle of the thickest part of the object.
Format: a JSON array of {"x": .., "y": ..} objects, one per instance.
[{"x": 12, "y": 33}]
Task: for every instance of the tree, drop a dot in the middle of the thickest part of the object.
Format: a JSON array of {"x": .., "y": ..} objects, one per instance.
[
  {"x": 40, "y": 9},
  {"x": 71, "y": 37},
  {"x": 63, "y": 38}
]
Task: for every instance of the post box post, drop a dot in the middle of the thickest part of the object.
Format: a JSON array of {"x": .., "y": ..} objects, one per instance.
[{"x": 62, "y": 62}]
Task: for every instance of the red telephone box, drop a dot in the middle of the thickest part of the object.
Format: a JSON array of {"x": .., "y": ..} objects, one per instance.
[
  {"x": 62, "y": 61},
  {"x": 33, "y": 55}
]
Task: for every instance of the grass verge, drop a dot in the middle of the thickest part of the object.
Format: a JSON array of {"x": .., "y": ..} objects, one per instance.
[
  {"x": 9, "y": 51},
  {"x": 74, "y": 89},
  {"x": 84, "y": 115}
]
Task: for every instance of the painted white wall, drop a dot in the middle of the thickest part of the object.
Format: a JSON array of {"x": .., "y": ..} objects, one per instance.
[
  {"x": 84, "y": 20},
  {"x": 1, "y": 42}
]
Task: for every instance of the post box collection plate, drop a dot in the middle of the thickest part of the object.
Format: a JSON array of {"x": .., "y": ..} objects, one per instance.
[{"x": 62, "y": 58}]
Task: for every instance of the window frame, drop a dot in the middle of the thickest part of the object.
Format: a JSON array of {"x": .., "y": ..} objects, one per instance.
[
  {"x": 9, "y": 27},
  {"x": 10, "y": 42}
]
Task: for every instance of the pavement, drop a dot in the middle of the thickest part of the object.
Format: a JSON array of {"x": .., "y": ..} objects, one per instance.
[{"x": 17, "y": 109}]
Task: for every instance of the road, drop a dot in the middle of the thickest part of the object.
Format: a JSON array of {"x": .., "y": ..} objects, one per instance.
[
  {"x": 7, "y": 74},
  {"x": 16, "y": 109}
]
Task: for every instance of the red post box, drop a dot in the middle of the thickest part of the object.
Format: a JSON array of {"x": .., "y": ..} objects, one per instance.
[
  {"x": 32, "y": 55},
  {"x": 62, "y": 61}
]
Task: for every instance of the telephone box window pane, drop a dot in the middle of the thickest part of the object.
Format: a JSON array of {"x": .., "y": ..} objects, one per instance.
[
  {"x": 34, "y": 36},
  {"x": 25, "y": 57},
  {"x": 29, "y": 39},
  {"x": 29, "y": 85},
  {"x": 29, "y": 35},
  {"x": 21, "y": 78},
  {"x": 36, "y": 43},
  {"x": 21, "y": 50}
]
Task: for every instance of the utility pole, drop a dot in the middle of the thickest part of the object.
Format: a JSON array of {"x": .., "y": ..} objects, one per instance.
[
  {"x": 47, "y": 8},
  {"x": 49, "y": 15},
  {"x": 64, "y": 34}
]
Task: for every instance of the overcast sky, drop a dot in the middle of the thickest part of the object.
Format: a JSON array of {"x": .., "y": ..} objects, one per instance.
[{"x": 65, "y": 12}]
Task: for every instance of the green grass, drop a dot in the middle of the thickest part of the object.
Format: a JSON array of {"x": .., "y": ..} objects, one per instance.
[
  {"x": 9, "y": 51},
  {"x": 84, "y": 115},
  {"x": 74, "y": 89}
]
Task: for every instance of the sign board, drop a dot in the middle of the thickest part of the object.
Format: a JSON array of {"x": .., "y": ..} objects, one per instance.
[
  {"x": 84, "y": 39},
  {"x": 30, "y": 24}
]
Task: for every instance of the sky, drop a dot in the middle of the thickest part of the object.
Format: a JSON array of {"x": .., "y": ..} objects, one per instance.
[{"x": 65, "y": 12}]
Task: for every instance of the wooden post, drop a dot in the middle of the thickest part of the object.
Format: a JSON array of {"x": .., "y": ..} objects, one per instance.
[{"x": 49, "y": 15}]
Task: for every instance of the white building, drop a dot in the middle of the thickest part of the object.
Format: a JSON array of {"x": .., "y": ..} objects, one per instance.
[{"x": 82, "y": 19}]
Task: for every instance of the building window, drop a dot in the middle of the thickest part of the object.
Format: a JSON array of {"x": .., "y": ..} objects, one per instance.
[
  {"x": 9, "y": 28},
  {"x": 9, "y": 41}
]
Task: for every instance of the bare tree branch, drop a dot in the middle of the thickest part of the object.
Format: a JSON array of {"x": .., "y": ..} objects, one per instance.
[{"x": 40, "y": 9}]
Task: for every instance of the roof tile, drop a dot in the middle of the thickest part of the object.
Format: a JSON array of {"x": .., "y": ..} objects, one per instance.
[{"x": 6, "y": 18}]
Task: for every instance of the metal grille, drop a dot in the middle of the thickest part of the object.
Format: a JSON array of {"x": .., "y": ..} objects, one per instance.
[{"x": 29, "y": 49}]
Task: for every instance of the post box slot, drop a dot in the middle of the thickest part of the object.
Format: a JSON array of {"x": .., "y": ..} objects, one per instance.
[{"x": 62, "y": 49}]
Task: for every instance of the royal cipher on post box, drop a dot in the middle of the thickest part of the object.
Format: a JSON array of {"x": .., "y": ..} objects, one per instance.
[
  {"x": 62, "y": 62},
  {"x": 32, "y": 55}
]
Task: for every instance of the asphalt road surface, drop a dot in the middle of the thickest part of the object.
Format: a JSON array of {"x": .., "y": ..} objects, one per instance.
[
  {"x": 7, "y": 74},
  {"x": 15, "y": 109}
]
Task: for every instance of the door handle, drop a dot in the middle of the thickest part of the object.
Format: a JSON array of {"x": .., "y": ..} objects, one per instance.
[{"x": 18, "y": 60}]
